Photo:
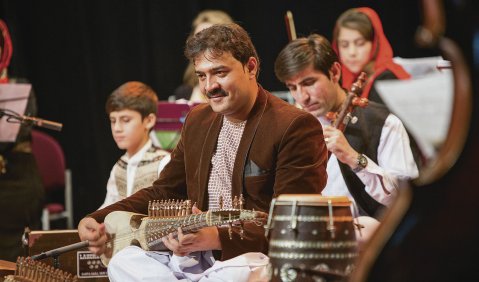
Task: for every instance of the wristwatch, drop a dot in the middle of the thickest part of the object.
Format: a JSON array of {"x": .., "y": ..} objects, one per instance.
[{"x": 361, "y": 163}]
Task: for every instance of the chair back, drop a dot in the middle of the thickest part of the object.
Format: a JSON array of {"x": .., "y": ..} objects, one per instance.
[
  {"x": 55, "y": 176},
  {"x": 50, "y": 160}
]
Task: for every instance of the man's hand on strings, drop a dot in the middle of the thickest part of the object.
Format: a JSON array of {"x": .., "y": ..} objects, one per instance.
[{"x": 204, "y": 239}]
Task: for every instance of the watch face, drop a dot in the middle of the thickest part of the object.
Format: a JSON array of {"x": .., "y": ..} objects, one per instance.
[{"x": 362, "y": 161}]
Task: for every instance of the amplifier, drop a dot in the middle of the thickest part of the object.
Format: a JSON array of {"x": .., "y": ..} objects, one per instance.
[{"x": 81, "y": 262}]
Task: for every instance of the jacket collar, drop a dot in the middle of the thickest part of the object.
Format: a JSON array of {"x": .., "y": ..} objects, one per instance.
[{"x": 209, "y": 147}]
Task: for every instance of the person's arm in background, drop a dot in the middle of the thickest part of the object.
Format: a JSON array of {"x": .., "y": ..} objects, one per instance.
[{"x": 395, "y": 161}]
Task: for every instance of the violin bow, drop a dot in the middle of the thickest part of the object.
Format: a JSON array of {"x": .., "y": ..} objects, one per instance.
[{"x": 291, "y": 30}]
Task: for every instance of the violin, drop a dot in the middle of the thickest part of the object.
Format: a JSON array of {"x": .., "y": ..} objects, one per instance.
[{"x": 341, "y": 119}]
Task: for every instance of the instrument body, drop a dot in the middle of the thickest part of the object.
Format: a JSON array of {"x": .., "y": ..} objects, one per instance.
[
  {"x": 311, "y": 237},
  {"x": 127, "y": 228}
]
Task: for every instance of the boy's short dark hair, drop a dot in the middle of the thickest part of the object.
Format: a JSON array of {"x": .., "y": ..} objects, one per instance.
[
  {"x": 219, "y": 39},
  {"x": 313, "y": 50},
  {"x": 133, "y": 95}
]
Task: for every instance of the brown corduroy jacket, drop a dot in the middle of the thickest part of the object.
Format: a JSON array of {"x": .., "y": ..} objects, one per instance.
[{"x": 281, "y": 152}]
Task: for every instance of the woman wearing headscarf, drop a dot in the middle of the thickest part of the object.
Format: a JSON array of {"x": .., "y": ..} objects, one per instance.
[{"x": 361, "y": 45}]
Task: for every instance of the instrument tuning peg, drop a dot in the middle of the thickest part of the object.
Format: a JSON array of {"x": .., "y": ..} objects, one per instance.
[
  {"x": 235, "y": 203},
  {"x": 241, "y": 202},
  {"x": 220, "y": 202},
  {"x": 354, "y": 119},
  {"x": 149, "y": 209}
]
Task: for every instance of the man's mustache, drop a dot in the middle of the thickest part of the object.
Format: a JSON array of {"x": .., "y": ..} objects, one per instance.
[{"x": 216, "y": 92}]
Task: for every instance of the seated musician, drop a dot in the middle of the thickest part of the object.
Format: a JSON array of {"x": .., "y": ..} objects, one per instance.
[
  {"x": 244, "y": 142},
  {"x": 132, "y": 111},
  {"x": 373, "y": 153}
]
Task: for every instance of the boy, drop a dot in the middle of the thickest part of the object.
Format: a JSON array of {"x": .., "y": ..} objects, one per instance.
[{"x": 132, "y": 110}]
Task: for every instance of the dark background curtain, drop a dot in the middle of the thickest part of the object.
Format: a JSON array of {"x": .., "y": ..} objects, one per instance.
[{"x": 76, "y": 52}]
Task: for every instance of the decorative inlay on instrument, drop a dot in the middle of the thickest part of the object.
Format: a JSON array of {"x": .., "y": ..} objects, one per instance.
[{"x": 165, "y": 217}]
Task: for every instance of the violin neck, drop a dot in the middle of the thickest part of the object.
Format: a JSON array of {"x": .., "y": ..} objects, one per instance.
[{"x": 340, "y": 122}]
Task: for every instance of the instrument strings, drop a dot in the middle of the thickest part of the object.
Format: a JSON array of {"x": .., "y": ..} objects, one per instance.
[
  {"x": 30, "y": 270},
  {"x": 169, "y": 225},
  {"x": 172, "y": 214}
]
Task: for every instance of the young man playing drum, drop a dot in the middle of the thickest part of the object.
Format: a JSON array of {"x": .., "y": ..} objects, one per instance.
[{"x": 373, "y": 152}]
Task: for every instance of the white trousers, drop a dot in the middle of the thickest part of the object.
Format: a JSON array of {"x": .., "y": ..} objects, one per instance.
[{"x": 135, "y": 264}]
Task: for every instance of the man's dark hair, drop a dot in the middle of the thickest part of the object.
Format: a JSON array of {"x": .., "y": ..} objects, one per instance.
[
  {"x": 133, "y": 95},
  {"x": 218, "y": 39},
  {"x": 313, "y": 50}
]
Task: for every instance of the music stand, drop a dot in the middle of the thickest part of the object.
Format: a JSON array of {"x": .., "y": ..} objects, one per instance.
[
  {"x": 13, "y": 98},
  {"x": 169, "y": 121}
]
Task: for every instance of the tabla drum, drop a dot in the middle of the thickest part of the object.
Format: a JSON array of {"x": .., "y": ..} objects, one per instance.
[{"x": 311, "y": 238}]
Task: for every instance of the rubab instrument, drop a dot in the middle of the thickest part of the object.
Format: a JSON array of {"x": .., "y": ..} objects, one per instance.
[{"x": 165, "y": 217}]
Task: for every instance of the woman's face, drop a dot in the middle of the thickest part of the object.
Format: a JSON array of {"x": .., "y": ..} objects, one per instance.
[{"x": 354, "y": 49}]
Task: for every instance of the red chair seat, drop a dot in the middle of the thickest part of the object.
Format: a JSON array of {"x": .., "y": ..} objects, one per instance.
[{"x": 54, "y": 208}]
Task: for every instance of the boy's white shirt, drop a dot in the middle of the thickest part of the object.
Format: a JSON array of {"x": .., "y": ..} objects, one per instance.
[{"x": 112, "y": 195}]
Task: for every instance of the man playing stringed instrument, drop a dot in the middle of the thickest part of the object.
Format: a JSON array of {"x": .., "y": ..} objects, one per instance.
[
  {"x": 244, "y": 142},
  {"x": 374, "y": 151}
]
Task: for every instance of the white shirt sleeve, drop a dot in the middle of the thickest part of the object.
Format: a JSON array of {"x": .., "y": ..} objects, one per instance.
[
  {"x": 163, "y": 163},
  {"x": 395, "y": 162},
  {"x": 112, "y": 195}
]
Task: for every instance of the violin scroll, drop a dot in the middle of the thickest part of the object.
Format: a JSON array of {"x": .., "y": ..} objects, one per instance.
[
  {"x": 358, "y": 85},
  {"x": 342, "y": 118}
]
